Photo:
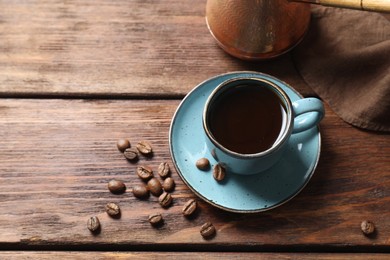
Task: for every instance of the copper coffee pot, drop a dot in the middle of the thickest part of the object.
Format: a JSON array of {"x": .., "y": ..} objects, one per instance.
[{"x": 262, "y": 29}]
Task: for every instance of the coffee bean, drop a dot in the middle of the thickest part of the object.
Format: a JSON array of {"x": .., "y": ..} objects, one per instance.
[
  {"x": 168, "y": 184},
  {"x": 112, "y": 209},
  {"x": 140, "y": 191},
  {"x": 190, "y": 207},
  {"x": 144, "y": 172},
  {"x": 131, "y": 154},
  {"x": 207, "y": 230},
  {"x": 145, "y": 148},
  {"x": 116, "y": 186},
  {"x": 155, "y": 187},
  {"x": 164, "y": 170},
  {"x": 155, "y": 219},
  {"x": 165, "y": 199},
  {"x": 203, "y": 164},
  {"x": 93, "y": 224},
  {"x": 218, "y": 172},
  {"x": 122, "y": 144},
  {"x": 367, "y": 227}
]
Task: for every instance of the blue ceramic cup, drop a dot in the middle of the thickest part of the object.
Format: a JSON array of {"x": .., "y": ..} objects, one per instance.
[{"x": 263, "y": 121}]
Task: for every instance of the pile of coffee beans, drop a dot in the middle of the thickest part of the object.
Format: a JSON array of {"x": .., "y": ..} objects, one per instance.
[{"x": 151, "y": 185}]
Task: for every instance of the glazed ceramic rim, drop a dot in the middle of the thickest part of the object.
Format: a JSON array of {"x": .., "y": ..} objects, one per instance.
[
  {"x": 222, "y": 87},
  {"x": 282, "y": 202}
]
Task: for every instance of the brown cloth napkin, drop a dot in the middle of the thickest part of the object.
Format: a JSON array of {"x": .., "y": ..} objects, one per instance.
[{"x": 345, "y": 59}]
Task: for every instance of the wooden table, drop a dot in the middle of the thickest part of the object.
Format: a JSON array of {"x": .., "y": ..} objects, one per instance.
[{"x": 75, "y": 76}]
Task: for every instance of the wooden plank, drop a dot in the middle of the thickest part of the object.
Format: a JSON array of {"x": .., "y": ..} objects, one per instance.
[
  {"x": 114, "y": 48},
  {"x": 57, "y": 156},
  {"x": 185, "y": 255}
]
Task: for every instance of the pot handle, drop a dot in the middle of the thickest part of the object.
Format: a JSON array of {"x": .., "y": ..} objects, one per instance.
[{"x": 365, "y": 5}]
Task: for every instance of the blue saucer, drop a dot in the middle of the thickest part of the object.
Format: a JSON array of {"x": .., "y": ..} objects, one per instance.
[{"x": 238, "y": 193}]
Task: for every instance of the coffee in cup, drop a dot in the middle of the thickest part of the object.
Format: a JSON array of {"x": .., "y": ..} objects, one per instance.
[{"x": 248, "y": 121}]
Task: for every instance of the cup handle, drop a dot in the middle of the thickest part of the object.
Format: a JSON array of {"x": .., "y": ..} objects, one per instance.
[{"x": 308, "y": 112}]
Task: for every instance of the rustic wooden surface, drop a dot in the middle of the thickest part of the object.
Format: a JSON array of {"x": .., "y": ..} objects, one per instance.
[
  {"x": 9, "y": 255},
  {"x": 57, "y": 157},
  {"x": 77, "y": 75},
  {"x": 106, "y": 48}
]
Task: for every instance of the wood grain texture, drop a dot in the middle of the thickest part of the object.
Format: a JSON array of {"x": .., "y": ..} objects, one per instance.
[
  {"x": 57, "y": 156},
  {"x": 114, "y": 48},
  {"x": 184, "y": 255}
]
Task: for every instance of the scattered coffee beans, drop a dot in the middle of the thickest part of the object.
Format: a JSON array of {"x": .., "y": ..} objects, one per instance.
[
  {"x": 164, "y": 170},
  {"x": 207, "y": 230},
  {"x": 155, "y": 219},
  {"x": 144, "y": 172},
  {"x": 122, "y": 144},
  {"x": 155, "y": 187},
  {"x": 367, "y": 227},
  {"x": 116, "y": 186},
  {"x": 168, "y": 184},
  {"x": 145, "y": 148},
  {"x": 140, "y": 191},
  {"x": 93, "y": 224},
  {"x": 190, "y": 207},
  {"x": 219, "y": 172},
  {"x": 165, "y": 200},
  {"x": 203, "y": 164},
  {"x": 131, "y": 154},
  {"x": 113, "y": 209}
]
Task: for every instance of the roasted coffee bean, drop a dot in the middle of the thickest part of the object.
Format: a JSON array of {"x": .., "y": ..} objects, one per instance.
[
  {"x": 131, "y": 154},
  {"x": 144, "y": 172},
  {"x": 93, "y": 224},
  {"x": 122, "y": 144},
  {"x": 116, "y": 186},
  {"x": 145, "y": 148},
  {"x": 164, "y": 170},
  {"x": 218, "y": 172},
  {"x": 190, "y": 207},
  {"x": 113, "y": 209},
  {"x": 165, "y": 199},
  {"x": 168, "y": 184},
  {"x": 203, "y": 164},
  {"x": 155, "y": 187},
  {"x": 155, "y": 219},
  {"x": 367, "y": 227},
  {"x": 140, "y": 191},
  {"x": 207, "y": 230}
]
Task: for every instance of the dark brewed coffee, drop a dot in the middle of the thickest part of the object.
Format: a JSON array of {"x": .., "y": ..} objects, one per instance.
[{"x": 246, "y": 119}]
